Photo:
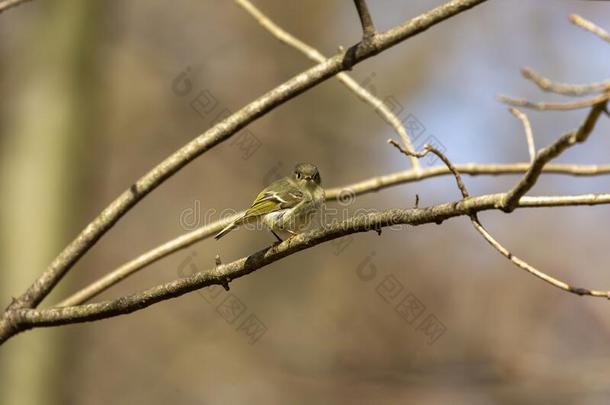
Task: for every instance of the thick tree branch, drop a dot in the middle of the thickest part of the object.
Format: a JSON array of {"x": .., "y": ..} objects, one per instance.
[
  {"x": 20, "y": 319},
  {"x": 366, "y": 186},
  {"x": 222, "y": 131}
]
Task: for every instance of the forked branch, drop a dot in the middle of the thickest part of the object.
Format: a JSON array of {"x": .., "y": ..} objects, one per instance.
[
  {"x": 493, "y": 242},
  {"x": 314, "y": 55},
  {"x": 551, "y": 152},
  {"x": 368, "y": 28},
  {"x": 221, "y": 132}
]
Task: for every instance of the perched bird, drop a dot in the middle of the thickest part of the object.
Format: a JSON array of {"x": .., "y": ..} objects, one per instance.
[{"x": 286, "y": 205}]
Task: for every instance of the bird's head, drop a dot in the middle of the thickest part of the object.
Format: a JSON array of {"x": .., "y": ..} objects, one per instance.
[{"x": 307, "y": 174}]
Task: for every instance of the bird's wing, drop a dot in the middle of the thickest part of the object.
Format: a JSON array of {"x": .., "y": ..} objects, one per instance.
[{"x": 270, "y": 199}]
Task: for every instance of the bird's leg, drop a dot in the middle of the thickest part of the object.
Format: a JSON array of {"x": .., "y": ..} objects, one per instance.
[{"x": 275, "y": 234}]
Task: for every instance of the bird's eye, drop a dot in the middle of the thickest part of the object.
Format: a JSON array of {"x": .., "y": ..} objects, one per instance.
[{"x": 298, "y": 175}]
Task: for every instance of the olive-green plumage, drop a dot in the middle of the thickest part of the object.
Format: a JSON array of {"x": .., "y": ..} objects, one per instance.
[{"x": 287, "y": 204}]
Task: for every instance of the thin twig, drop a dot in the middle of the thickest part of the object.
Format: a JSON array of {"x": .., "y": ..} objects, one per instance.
[
  {"x": 441, "y": 155},
  {"x": 591, "y": 27},
  {"x": 551, "y": 152},
  {"x": 546, "y": 106},
  {"x": 527, "y": 128},
  {"x": 314, "y": 55},
  {"x": 567, "y": 89},
  {"x": 366, "y": 186},
  {"x": 221, "y": 132},
  {"x": 532, "y": 270},
  {"x": 368, "y": 28},
  {"x": 473, "y": 169}
]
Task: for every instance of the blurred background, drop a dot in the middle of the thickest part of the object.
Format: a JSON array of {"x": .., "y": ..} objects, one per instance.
[{"x": 95, "y": 93}]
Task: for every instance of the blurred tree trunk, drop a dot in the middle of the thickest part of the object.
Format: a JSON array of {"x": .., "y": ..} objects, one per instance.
[{"x": 47, "y": 126}]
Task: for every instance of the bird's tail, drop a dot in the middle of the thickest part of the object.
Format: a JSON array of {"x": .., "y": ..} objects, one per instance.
[{"x": 226, "y": 230}]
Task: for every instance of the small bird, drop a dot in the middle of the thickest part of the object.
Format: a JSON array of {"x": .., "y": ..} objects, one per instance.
[{"x": 286, "y": 205}]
